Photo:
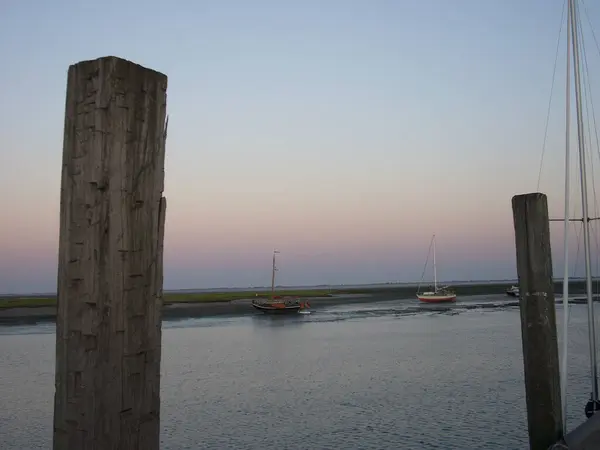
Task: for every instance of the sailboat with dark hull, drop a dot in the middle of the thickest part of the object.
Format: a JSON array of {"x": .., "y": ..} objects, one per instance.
[{"x": 277, "y": 304}]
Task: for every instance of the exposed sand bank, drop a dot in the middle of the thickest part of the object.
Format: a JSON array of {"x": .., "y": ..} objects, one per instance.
[{"x": 11, "y": 316}]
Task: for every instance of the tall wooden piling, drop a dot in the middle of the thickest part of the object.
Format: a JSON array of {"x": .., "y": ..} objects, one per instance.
[
  {"x": 538, "y": 320},
  {"x": 110, "y": 271}
]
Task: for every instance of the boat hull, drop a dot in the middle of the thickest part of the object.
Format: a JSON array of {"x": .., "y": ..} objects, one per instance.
[
  {"x": 269, "y": 309},
  {"x": 437, "y": 298},
  {"x": 513, "y": 291}
]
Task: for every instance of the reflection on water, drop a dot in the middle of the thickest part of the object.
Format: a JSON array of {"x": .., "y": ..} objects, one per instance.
[{"x": 390, "y": 375}]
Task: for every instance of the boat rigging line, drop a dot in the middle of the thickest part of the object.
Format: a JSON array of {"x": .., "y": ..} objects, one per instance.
[
  {"x": 426, "y": 262},
  {"x": 563, "y": 361},
  {"x": 562, "y": 16}
]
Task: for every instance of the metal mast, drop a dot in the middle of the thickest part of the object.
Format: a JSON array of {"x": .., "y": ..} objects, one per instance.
[{"x": 593, "y": 405}]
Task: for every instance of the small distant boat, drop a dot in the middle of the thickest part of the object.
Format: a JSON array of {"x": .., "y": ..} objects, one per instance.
[
  {"x": 513, "y": 291},
  {"x": 438, "y": 294},
  {"x": 276, "y": 304}
]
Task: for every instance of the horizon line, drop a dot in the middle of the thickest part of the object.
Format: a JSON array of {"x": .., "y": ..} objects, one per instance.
[{"x": 310, "y": 286}]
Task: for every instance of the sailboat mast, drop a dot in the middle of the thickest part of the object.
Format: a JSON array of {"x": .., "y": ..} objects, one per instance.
[
  {"x": 564, "y": 362},
  {"x": 434, "y": 268},
  {"x": 584, "y": 199},
  {"x": 273, "y": 275}
]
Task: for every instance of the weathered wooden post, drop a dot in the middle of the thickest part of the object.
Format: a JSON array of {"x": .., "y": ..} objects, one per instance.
[
  {"x": 538, "y": 320},
  {"x": 110, "y": 264}
]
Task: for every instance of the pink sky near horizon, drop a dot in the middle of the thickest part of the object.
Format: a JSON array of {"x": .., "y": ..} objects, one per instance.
[
  {"x": 238, "y": 233},
  {"x": 324, "y": 244}
]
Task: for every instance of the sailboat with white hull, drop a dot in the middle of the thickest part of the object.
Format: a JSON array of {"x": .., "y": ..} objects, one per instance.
[{"x": 440, "y": 294}]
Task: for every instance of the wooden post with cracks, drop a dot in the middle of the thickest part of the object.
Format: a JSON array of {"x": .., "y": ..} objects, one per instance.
[
  {"x": 110, "y": 264},
  {"x": 538, "y": 320}
]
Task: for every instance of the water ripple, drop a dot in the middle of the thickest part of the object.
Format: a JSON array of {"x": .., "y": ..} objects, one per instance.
[{"x": 392, "y": 376}]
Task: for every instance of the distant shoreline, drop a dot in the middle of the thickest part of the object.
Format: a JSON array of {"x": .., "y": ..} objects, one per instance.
[
  {"x": 16, "y": 310},
  {"x": 321, "y": 287}
]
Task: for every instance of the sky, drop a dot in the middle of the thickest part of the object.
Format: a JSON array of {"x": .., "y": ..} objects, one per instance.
[{"x": 342, "y": 133}]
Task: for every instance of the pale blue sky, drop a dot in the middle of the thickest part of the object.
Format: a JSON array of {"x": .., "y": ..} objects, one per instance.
[{"x": 342, "y": 132}]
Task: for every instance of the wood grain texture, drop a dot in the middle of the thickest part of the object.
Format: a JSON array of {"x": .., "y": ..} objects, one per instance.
[
  {"x": 110, "y": 270},
  {"x": 538, "y": 320}
]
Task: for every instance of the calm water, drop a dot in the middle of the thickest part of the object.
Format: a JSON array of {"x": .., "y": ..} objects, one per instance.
[{"x": 359, "y": 377}]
